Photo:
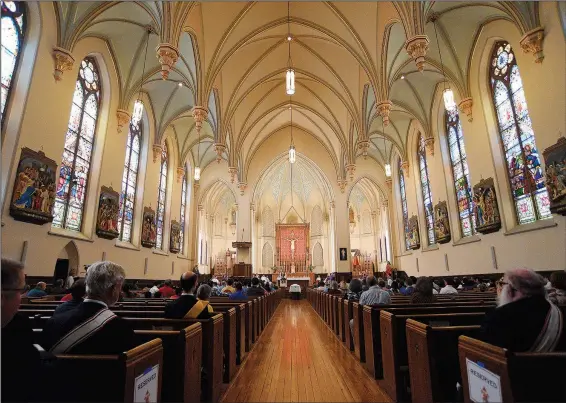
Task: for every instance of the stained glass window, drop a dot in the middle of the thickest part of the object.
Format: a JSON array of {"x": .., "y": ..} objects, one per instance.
[
  {"x": 425, "y": 188},
  {"x": 73, "y": 175},
  {"x": 183, "y": 210},
  {"x": 517, "y": 137},
  {"x": 129, "y": 182},
  {"x": 13, "y": 24},
  {"x": 460, "y": 173},
  {"x": 403, "y": 205},
  {"x": 161, "y": 195}
]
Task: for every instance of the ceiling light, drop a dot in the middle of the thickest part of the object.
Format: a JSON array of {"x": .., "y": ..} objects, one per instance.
[
  {"x": 289, "y": 38},
  {"x": 290, "y": 82},
  {"x": 292, "y": 154},
  {"x": 402, "y": 77},
  {"x": 449, "y": 102},
  {"x": 180, "y": 84},
  {"x": 388, "y": 170},
  {"x": 197, "y": 173},
  {"x": 138, "y": 105}
]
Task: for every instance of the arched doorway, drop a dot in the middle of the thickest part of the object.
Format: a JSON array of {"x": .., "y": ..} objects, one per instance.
[{"x": 67, "y": 262}]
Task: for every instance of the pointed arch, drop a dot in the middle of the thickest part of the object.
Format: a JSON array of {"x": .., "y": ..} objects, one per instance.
[
  {"x": 267, "y": 256},
  {"x": 268, "y": 222},
  {"x": 425, "y": 189},
  {"x": 162, "y": 195},
  {"x": 317, "y": 255},
  {"x": 316, "y": 221}
]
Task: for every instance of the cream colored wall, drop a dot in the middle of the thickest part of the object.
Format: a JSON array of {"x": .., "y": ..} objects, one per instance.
[
  {"x": 44, "y": 120},
  {"x": 541, "y": 245}
]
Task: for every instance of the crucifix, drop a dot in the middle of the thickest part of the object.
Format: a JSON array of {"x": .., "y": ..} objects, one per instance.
[{"x": 292, "y": 239}]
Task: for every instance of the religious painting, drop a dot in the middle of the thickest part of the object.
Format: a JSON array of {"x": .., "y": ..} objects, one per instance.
[
  {"x": 441, "y": 223},
  {"x": 108, "y": 208},
  {"x": 343, "y": 254},
  {"x": 486, "y": 209},
  {"x": 555, "y": 177},
  {"x": 149, "y": 228},
  {"x": 33, "y": 196},
  {"x": 412, "y": 235},
  {"x": 175, "y": 237}
]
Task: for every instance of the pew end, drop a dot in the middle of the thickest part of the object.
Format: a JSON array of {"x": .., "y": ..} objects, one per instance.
[{"x": 515, "y": 376}]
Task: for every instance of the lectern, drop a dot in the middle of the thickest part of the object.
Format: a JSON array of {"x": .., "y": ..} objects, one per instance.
[{"x": 243, "y": 268}]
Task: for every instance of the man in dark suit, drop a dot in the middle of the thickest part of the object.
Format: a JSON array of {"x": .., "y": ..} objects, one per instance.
[
  {"x": 182, "y": 305},
  {"x": 91, "y": 328},
  {"x": 524, "y": 319},
  {"x": 255, "y": 290}
]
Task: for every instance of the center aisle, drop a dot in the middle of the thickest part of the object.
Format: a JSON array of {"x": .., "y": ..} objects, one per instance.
[{"x": 298, "y": 359}]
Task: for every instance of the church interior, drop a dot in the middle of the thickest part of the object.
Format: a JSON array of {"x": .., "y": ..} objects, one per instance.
[{"x": 301, "y": 139}]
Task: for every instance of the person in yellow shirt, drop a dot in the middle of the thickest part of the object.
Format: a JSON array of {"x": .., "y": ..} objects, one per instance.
[{"x": 229, "y": 289}]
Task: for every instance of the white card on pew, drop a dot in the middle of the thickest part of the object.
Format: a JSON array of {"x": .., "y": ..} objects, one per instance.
[
  {"x": 146, "y": 386},
  {"x": 484, "y": 385}
]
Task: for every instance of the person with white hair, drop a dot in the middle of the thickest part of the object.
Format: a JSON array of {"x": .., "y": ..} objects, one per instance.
[
  {"x": 92, "y": 328},
  {"x": 524, "y": 319}
]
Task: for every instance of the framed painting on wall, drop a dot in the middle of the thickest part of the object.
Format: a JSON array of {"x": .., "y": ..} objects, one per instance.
[
  {"x": 343, "y": 254},
  {"x": 441, "y": 223},
  {"x": 555, "y": 175},
  {"x": 175, "y": 237},
  {"x": 108, "y": 209},
  {"x": 149, "y": 228},
  {"x": 33, "y": 196},
  {"x": 486, "y": 208},
  {"x": 413, "y": 235}
]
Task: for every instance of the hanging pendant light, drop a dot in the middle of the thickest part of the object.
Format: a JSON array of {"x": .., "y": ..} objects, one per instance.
[
  {"x": 138, "y": 105},
  {"x": 290, "y": 74},
  {"x": 387, "y": 164},
  {"x": 447, "y": 93},
  {"x": 292, "y": 151},
  {"x": 197, "y": 173}
]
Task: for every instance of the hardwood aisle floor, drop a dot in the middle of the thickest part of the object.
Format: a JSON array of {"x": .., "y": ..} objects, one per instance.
[{"x": 298, "y": 359}]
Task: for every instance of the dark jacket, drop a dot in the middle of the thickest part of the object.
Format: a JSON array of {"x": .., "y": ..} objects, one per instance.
[
  {"x": 178, "y": 308},
  {"x": 516, "y": 325},
  {"x": 115, "y": 337},
  {"x": 20, "y": 361},
  {"x": 238, "y": 295},
  {"x": 254, "y": 291},
  {"x": 67, "y": 306}
]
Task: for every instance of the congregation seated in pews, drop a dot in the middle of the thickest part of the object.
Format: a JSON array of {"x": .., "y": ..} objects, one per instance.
[
  {"x": 183, "y": 347},
  {"x": 421, "y": 339}
]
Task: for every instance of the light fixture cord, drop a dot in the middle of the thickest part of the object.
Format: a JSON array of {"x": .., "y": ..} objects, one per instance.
[
  {"x": 291, "y": 165},
  {"x": 439, "y": 52},
  {"x": 144, "y": 60},
  {"x": 289, "y": 31}
]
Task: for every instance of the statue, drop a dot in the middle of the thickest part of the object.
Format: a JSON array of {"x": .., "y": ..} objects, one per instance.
[
  {"x": 412, "y": 233},
  {"x": 441, "y": 223},
  {"x": 108, "y": 210},
  {"x": 555, "y": 177}
]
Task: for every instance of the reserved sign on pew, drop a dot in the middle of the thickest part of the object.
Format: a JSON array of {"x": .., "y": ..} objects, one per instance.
[
  {"x": 146, "y": 386},
  {"x": 485, "y": 386}
]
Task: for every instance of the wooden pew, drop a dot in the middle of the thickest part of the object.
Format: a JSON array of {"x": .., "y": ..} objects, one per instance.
[
  {"x": 348, "y": 314},
  {"x": 359, "y": 339},
  {"x": 182, "y": 361},
  {"x": 523, "y": 377},
  {"x": 396, "y": 382},
  {"x": 372, "y": 328},
  {"x": 434, "y": 368},
  {"x": 117, "y": 374}
]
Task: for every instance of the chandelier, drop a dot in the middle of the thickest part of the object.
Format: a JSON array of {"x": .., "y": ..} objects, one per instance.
[
  {"x": 387, "y": 164},
  {"x": 290, "y": 74},
  {"x": 138, "y": 105},
  {"x": 447, "y": 93}
]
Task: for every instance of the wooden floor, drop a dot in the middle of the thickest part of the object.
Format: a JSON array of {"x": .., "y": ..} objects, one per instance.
[{"x": 298, "y": 359}]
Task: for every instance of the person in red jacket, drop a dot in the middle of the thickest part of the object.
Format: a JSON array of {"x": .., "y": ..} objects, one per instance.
[{"x": 167, "y": 291}]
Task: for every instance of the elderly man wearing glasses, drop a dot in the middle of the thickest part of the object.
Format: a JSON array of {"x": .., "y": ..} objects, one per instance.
[{"x": 524, "y": 319}]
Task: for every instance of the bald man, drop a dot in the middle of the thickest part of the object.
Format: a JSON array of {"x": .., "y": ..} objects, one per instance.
[
  {"x": 524, "y": 320},
  {"x": 179, "y": 308}
]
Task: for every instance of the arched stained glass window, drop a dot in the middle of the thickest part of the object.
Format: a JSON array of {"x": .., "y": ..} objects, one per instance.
[
  {"x": 425, "y": 189},
  {"x": 403, "y": 205},
  {"x": 129, "y": 182},
  {"x": 460, "y": 173},
  {"x": 517, "y": 136},
  {"x": 13, "y": 24},
  {"x": 183, "y": 211},
  {"x": 161, "y": 196},
  {"x": 77, "y": 154}
]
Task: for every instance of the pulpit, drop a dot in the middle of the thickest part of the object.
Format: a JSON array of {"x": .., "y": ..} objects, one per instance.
[{"x": 242, "y": 270}]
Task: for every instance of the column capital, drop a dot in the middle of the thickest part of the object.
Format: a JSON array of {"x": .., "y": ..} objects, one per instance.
[
  {"x": 64, "y": 61},
  {"x": 123, "y": 117},
  {"x": 342, "y": 184},
  {"x": 242, "y": 186},
  {"x": 429, "y": 145},
  {"x": 416, "y": 47},
  {"x": 351, "y": 169},
  {"x": 233, "y": 171},
  {"x": 465, "y": 106},
  {"x": 219, "y": 148},
  {"x": 168, "y": 56},
  {"x": 384, "y": 109},
  {"x": 405, "y": 168},
  {"x": 180, "y": 174},
  {"x": 157, "y": 150},
  {"x": 532, "y": 42},
  {"x": 363, "y": 145},
  {"x": 389, "y": 183}
]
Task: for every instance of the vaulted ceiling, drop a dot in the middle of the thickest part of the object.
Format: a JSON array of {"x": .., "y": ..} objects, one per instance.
[{"x": 348, "y": 58}]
